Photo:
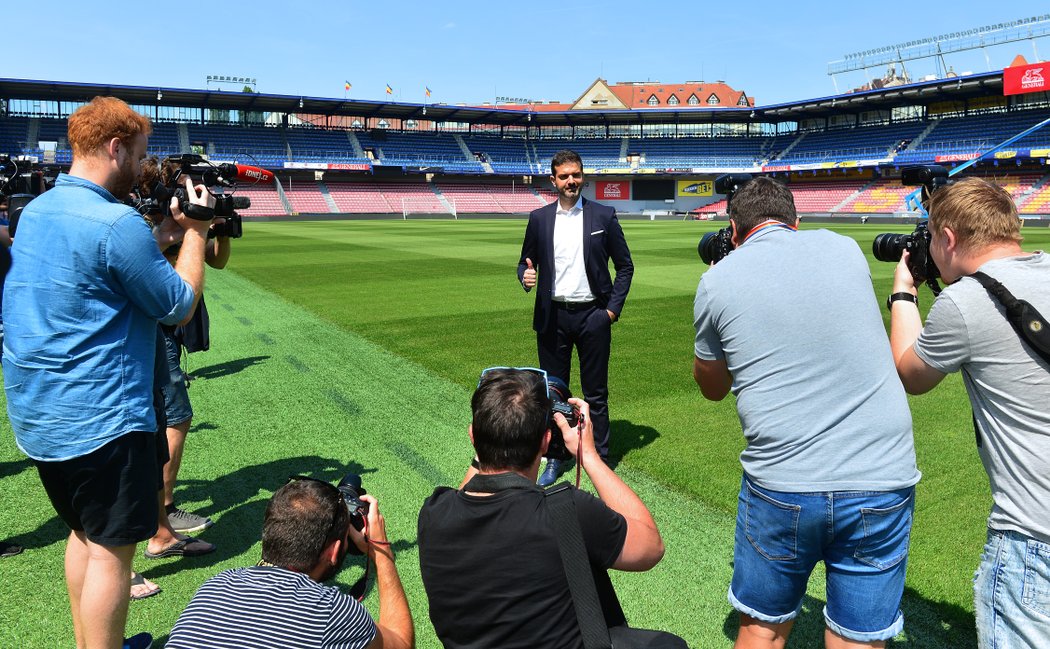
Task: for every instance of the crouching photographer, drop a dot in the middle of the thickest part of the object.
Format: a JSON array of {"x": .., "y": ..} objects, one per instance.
[
  {"x": 990, "y": 323},
  {"x": 506, "y": 564},
  {"x": 309, "y": 528}
]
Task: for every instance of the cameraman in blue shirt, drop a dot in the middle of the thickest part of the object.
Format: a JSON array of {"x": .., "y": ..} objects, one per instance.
[{"x": 86, "y": 290}]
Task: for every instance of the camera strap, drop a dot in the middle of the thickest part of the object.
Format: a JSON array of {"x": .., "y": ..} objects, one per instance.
[
  {"x": 577, "y": 567},
  {"x": 1029, "y": 324}
]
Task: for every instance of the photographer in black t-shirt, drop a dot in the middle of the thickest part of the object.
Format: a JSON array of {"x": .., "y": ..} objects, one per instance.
[{"x": 490, "y": 560}]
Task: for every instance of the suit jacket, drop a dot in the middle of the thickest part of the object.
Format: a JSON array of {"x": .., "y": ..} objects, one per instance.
[{"x": 603, "y": 239}]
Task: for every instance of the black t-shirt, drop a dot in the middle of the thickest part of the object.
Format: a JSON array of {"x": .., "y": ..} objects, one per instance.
[{"x": 493, "y": 573}]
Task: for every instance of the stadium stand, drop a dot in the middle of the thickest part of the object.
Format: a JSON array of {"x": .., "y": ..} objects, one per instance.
[
  {"x": 943, "y": 138},
  {"x": 823, "y": 196},
  {"x": 259, "y": 145},
  {"x": 265, "y": 200},
  {"x": 688, "y": 152},
  {"x": 320, "y": 145},
  {"x": 508, "y": 155},
  {"x": 419, "y": 149},
  {"x": 884, "y": 196},
  {"x": 1038, "y": 202},
  {"x": 305, "y": 197},
  {"x": 858, "y": 143},
  {"x": 596, "y": 153},
  {"x": 165, "y": 140},
  {"x": 359, "y": 197},
  {"x": 490, "y": 198},
  {"x": 413, "y": 198},
  {"x": 14, "y": 135},
  {"x": 977, "y": 133},
  {"x": 470, "y": 198}
]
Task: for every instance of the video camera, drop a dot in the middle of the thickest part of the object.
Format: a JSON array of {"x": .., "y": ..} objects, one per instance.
[
  {"x": 156, "y": 199},
  {"x": 714, "y": 246},
  {"x": 19, "y": 184},
  {"x": 559, "y": 394},
  {"x": 890, "y": 246}
]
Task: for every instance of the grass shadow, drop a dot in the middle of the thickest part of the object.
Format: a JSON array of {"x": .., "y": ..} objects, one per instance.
[
  {"x": 53, "y": 530},
  {"x": 625, "y": 437},
  {"x": 227, "y": 368},
  {"x": 14, "y": 467},
  {"x": 204, "y": 425},
  {"x": 241, "y": 497}
]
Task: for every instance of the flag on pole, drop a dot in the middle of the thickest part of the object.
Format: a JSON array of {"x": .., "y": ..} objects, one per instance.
[
  {"x": 389, "y": 90},
  {"x": 426, "y": 90},
  {"x": 347, "y": 86}
]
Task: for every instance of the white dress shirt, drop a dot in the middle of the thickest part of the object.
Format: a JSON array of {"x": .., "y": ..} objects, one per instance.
[{"x": 570, "y": 274}]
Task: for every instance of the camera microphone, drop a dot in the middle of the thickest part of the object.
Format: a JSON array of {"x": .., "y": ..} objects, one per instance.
[{"x": 246, "y": 173}]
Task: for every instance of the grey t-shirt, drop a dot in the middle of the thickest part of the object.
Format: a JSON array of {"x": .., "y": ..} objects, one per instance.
[
  {"x": 1008, "y": 384},
  {"x": 822, "y": 408}
]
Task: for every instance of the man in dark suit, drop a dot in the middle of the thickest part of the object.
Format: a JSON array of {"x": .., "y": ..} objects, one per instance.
[{"x": 565, "y": 256}]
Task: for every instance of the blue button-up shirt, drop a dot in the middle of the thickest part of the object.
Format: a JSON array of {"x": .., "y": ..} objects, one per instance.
[{"x": 86, "y": 289}]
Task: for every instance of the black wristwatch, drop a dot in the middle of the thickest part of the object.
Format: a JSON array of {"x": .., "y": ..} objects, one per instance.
[{"x": 914, "y": 299}]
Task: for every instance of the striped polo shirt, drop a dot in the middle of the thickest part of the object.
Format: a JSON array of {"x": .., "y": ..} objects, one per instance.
[{"x": 271, "y": 608}]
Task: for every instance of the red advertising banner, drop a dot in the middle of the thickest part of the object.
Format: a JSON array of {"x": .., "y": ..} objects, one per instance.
[
  {"x": 613, "y": 190},
  {"x": 1025, "y": 78}
]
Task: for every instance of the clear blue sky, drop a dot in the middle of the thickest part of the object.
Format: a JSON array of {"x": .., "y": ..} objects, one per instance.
[{"x": 472, "y": 50}]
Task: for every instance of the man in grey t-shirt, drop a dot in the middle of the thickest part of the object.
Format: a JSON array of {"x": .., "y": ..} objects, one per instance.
[
  {"x": 790, "y": 323},
  {"x": 974, "y": 226}
]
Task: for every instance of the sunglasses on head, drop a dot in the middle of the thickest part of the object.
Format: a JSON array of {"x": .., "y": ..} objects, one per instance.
[{"x": 532, "y": 370}]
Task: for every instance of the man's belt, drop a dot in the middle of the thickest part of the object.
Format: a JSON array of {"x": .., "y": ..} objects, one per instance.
[{"x": 575, "y": 306}]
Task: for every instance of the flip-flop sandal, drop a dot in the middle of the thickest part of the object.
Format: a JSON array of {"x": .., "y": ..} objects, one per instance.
[
  {"x": 138, "y": 580},
  {"x": 187, "y": 547}
]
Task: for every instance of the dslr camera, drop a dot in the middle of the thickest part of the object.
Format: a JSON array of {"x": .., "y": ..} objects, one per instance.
[
  {"x": 714, "y": 246},
  {"x": 890, "y": 247},
  {"x": 351, "y": 490},
  {"x": 559, "y": 394}
]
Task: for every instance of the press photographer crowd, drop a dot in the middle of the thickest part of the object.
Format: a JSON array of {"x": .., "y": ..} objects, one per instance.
[{"x": 105, "y": 294}]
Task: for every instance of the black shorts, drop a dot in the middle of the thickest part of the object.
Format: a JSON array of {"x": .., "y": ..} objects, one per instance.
[{"x": 110, "y": 493}]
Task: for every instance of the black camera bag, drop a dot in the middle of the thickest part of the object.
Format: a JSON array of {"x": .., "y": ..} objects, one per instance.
[{"x": 194, "y": 335}]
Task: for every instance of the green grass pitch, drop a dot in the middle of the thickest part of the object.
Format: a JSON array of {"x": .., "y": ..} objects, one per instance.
[{"x": 354, "y": 346}]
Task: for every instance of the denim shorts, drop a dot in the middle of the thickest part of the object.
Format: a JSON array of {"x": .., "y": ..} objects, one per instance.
[
  {"x": 1012, "y": 592},
  {"x": 177, "y": 407},
  {"x": 862, "y": 538}
]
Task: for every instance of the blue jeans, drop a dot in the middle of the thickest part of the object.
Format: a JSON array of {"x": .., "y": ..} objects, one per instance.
[
  {"x": 1012, "y": 592},
  {"x": 862, "y": 538}
]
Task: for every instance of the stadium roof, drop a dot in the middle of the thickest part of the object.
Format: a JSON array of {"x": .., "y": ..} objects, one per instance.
[{"x": 959, "y": 88}]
